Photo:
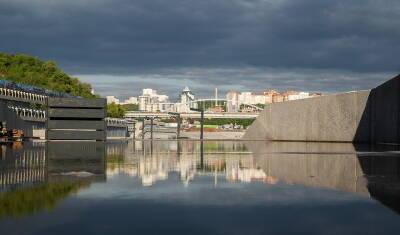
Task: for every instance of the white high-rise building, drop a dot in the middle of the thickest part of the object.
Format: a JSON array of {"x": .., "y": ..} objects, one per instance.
[
  {"x": 150, "y": 101},
  {"x": 149, "y": 91},
  {"x": 144, "y": 100},
  {"x": 246, "y": 98},
  {"x": 232, "y": 98},
  {"x": 131, "y": 100}
]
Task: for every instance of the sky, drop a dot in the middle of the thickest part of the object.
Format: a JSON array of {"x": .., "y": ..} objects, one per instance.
[{"x": 123, "y": 46}]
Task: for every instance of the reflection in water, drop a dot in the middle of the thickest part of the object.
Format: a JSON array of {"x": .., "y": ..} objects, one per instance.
[
  {"x": 383, "y": 176},
  {"x": 22, "y": 164},
  {"x": 38, "y": 175},
  {"x": 29, "y": 200},
  {"x": 153, "y": 161},
  {"x": 335, "y": 166}
]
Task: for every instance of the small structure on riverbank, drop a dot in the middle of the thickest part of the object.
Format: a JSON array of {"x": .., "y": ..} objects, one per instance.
[{"x": 76, "y": 119}]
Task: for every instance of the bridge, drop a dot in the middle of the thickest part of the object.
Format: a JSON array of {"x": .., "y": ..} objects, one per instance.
[
  {"x": 209, "y": 115},
  {"x": 22, "y": 96}
]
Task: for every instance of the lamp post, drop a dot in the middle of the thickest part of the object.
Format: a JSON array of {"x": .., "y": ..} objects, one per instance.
[
  {"x": 201, "y": 121},
  {"x": 143, "y": 133},
  {"x": 151, "y": 127},
  {"x": 178, "y": 120}
]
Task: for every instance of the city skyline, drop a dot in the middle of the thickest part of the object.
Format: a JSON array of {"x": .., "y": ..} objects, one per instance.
[{"x": 211, "y": 94}]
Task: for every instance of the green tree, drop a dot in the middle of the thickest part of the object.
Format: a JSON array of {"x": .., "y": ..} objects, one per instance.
[
  {"x": 130, "y": 107},
  {"x": 115, "y": 111},
  {"x": 30, "y": 70}
]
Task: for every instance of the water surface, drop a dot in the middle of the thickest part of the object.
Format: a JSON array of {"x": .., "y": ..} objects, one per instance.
[{"x": 192, "y": 187}]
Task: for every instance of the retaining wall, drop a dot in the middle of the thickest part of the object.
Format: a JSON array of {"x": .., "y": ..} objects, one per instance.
[{"x": 364, "y": 116}]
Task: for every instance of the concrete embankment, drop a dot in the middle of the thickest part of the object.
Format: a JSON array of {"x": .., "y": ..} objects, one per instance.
[
  {"x": 219, "y": 135},
  {"x": 195, "y": 135},
  {"x": 371, "y": 116}
]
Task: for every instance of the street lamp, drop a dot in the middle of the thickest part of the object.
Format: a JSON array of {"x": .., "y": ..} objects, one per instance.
[
  {"x": 178, "y": 120},
  {"x": 151, "y": 127},
  {"x": 201, "y": 121}
]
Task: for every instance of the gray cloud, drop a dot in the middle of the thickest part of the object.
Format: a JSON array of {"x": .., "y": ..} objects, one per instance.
[{"x": 258, "y": 41}]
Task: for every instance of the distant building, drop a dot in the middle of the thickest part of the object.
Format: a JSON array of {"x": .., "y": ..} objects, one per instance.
[
  {"x": 259, "y": 98},
  {"x": 269, "y": 94},
  {"x": 151, "y": 101},
  {"x": 149, "y": 92},
  {"x": 131, "y": 100},
  {"x": 143, "y": 101},
  {"x": 112, "y": 99},
  {"x": 187, "y": 98},
  {"x": 232, "y": 98},
  {"x": 246, "y": 98},
  {"x": 236, "y": 99},
  {"x": 161, "y": 98}
]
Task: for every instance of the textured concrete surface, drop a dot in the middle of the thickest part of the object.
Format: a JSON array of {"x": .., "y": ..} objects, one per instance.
[
  {"x": 326, "y": 118},
  {"x": 371, "y": 116}
]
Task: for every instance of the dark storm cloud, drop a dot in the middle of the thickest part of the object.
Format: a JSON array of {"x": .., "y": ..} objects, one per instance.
[{"x": 122, "y": 37}]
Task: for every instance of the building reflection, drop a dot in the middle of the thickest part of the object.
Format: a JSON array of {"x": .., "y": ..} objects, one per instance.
[
  {"x": 154, "y": 161},
  {"x": 22, "y": 164},
  {"x": 37, "y": 175}
]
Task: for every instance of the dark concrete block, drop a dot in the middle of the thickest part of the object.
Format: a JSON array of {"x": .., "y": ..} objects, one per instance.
[
  {"x": 77, "y": 103},
  {"x": 83, "y": 113},
  {"x": 77, "y": 124},
  {"x": 75, "y": 135}
]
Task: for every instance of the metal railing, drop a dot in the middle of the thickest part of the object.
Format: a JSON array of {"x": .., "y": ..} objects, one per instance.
[
  {"x": 22, "y": 95},
  {"x": 119, "y": 122},
  {"x": 28, "y": 112}
]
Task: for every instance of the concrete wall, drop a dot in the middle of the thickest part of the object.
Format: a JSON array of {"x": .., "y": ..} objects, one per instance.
[
  {"x": 385, "y": 112},
  {"x": 326, "y": 118},
  {"x": 362, "y": 116}
]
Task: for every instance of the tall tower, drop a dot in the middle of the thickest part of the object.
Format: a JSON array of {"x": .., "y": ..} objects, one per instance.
[
  {"x": 187, "y": 97},
  {"x": 216, "y": 97}
]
